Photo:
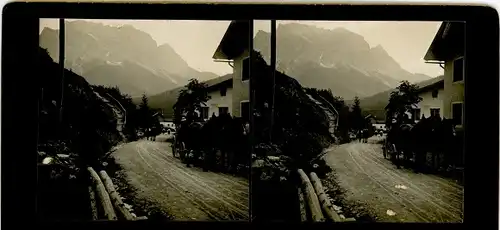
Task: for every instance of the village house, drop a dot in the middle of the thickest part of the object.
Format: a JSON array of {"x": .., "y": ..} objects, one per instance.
[
  {"x": 234, "y": 49},
  {"x": 220, "y": 91},
  {"x": 447, "y": 50},
  {"x": 431, "y": 92}
]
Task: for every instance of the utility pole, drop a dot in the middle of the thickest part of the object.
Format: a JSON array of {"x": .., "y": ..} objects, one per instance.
[
  {"x": 62, "y": 41},
  {"x": 273, "y": 74}
]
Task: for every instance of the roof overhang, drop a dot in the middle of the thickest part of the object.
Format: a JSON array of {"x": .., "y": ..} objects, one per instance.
[
  {"x": 216, "y": 83},
  {"x": 235, "y": 41},
  {"x": 448, "y": 43},
  {"x": 436, "y": 85},
  {"x": 223, "y": 84}
]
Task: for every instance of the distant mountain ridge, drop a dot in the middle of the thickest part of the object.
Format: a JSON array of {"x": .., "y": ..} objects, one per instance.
[
  {"x": 123, "y": 56},
  {"x": 337, "y": 59}
]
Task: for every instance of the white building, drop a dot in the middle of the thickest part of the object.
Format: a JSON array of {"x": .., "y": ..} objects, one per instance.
[
  {"x": 220, "y": 91},
  {"x": 447, "y": 50},
  {"x": 432, "y": 93},
  {"x": 234, "y": 49}
]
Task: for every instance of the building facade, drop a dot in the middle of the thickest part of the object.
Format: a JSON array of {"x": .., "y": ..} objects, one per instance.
[
  {"x": 220, "y": 91},
  {"x": 447, "y": 49},
  {"x": 432, "y": 94},
  {"x": 234, "y": 49}
]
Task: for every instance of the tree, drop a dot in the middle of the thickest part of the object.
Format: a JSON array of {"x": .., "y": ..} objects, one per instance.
[
  {"x": 145, "y": 113},
  {"x": 191, "y": 99},
  {"x": 402, "y": 101},
  {"x": 356, "y": 116}
]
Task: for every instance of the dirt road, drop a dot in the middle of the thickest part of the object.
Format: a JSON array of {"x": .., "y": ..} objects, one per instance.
[
  {"x": 390, "y": 194},
  {"x": 185, "y": 193}
]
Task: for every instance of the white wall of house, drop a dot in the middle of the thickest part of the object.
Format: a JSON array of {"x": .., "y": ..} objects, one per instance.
[
  {"x": 428, "y": 103},
  {"x": 241, "y": 89},
  {"x": 216, "y": 101}
]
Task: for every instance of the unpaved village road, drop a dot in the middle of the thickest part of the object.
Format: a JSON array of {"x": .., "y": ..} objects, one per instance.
[
  {"x": 375, "y": 182},
  {"x": 185, "y": 193}
]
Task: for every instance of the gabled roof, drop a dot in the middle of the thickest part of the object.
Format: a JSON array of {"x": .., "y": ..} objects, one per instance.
[
  {"x": 434, "y": 83},
  {"x": 235, "y": 41},
  {"x": 448, "y": 43},
  {"x": 226, "y": 80}
]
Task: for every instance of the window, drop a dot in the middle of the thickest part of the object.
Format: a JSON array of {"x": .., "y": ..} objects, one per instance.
[
  {"x": 416, "y": 114},
  {"x": 223, "y": 91},
  {"x": 223, "y": 110},
  {"x": 456, "y": 112},
  {"x": 435, "y": 93},
  {"x": 458, "y": 70},
  {"x": 245, "y": 69},
  {"x": 245, "y": 110},
  {"x": 435, "y": 112},
  {"x": 204, "y": 112}
]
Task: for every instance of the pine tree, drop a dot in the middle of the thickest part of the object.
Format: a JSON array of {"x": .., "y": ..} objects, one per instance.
[
  {"x": 145, "y": 113},
  {"x": 357, "y": 120}
]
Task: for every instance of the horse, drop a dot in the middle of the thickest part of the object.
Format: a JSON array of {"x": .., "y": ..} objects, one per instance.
[
  {"x": 147, "y": 133},
  {"x": 194, "y": 143},
  {"x": 399, "y": 141},
  {"x": 421, "y": 142},
  {"x": 430, "y": 135},
  {"x": 450, "y": 143},
  {"x": 237, "y": 144}
]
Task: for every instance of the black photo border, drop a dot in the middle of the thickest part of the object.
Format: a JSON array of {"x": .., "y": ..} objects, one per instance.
[{"x": 19, "y": 122}]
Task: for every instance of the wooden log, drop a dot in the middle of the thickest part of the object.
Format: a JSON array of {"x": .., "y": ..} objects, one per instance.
[
  {"x": 323, "y": 199},
  {"x": 141, "y": 218},
  {"x": 103, "y": 196},
  {"x": 311, "y": 198},
  {"x": 350, "y": 219},
  {"x": 302, "y": 204},
  {"x": 115, "y": 197},
  {"x": 93, "y": 203}
]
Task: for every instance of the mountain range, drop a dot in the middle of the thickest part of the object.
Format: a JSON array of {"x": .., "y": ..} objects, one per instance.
[
  {"x": 337, "y": 59},
  {"x": 120, "y": 56},
  {"x": 131, "y": 59}
]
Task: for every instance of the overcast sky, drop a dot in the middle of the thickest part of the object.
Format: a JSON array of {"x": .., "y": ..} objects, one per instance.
[{"x": 196, "y": 41}]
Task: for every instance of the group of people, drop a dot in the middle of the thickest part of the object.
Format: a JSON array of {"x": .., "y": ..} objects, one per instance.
[
  {"x": 152, "y": 132},
  {"x": 218, "y": 144},
  {"x": 363, "y": 135}
]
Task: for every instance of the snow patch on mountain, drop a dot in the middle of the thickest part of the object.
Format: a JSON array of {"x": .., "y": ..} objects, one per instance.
[
  {"x": 114, "y": 63},
  {"x": 92, "y": 36},
  {"x": 322, "y": 64}
]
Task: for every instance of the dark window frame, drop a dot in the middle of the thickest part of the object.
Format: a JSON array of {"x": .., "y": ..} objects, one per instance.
[
  {"x": 454, "y": 77},
  {"x": 416, "y": 116},
  {"x": 435, "y": 109},
  {"x": 241, "y": 109},
  {"x": 453, "y": 104},
  {"x": 223, "y": 107},
  {"x": 245, "y": 72},
  {"x": 435, "y": 93},
  {"x": 207, "y": 109},
  {"x": 223, "y": 91}
]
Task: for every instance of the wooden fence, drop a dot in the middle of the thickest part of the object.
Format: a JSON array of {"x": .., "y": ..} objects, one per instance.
[
  {"x": 105, "y": 202},
  {"x": 315, "y": 205}
]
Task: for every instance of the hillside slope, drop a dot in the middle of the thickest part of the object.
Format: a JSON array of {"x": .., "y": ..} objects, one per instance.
[{"x": 86, "y": 132}]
